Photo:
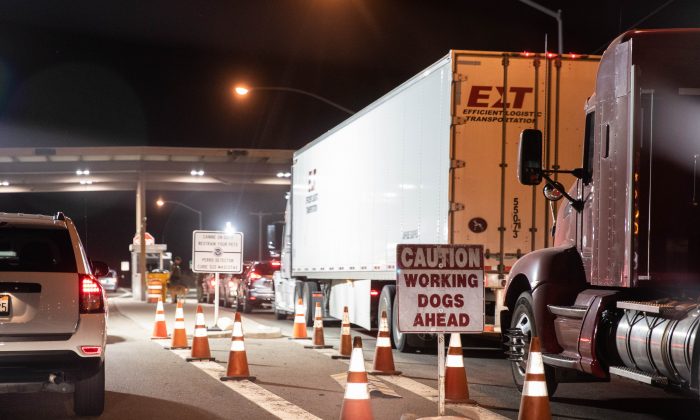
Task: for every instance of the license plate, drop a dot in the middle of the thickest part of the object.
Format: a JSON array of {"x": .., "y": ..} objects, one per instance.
[{"x": 4, "y": 305}]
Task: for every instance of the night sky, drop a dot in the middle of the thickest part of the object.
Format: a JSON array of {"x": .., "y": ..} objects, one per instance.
[{"x": 160, "y": 73}]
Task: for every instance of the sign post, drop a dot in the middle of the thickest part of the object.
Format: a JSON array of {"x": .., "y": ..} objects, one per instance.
[
  {"x": 215, "y": 251},
  {"x": 440, "y": 289}
]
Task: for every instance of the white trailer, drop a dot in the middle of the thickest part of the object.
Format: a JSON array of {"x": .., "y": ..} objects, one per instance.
[{"x": 432, "y": 161}]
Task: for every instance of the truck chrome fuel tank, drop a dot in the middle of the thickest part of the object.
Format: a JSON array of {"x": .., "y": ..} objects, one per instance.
[{"x": 656, "y": 344}]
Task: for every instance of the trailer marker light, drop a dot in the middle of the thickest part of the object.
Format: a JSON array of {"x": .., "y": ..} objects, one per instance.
[{"x": 527, "y": 54}]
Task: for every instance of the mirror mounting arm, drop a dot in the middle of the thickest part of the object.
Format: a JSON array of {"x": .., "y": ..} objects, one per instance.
[{"x": 577, "y": 204}]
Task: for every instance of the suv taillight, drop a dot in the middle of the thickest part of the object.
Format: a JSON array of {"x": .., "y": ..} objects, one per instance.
[{"x": 91, "y": 295}]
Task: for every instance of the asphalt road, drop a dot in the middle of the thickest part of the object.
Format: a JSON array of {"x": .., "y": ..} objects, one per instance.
[{"x": 144, "y": 381}]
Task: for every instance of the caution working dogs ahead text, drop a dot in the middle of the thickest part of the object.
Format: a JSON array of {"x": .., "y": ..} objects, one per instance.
[{"x": 440, "y": 288}]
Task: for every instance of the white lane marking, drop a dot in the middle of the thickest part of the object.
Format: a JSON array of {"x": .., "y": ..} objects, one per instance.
[
  {"x": 431, "y": 394},
  {"x": 263, "y": 398}
]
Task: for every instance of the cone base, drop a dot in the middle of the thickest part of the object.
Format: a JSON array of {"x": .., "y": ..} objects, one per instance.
[
  {"x": 178, "y": 348},
  {"x": 340, "y": 356},
  {"x": 200, "y": 359},
  {"x": 302, "y": 338},
  {"x": 385, "y": 372},
  {"x": 318, "y": 347},
  {"x": 238, "y": 378},
  {"x": 167, "y": 337},
  {"x": 460, "y": 401}
]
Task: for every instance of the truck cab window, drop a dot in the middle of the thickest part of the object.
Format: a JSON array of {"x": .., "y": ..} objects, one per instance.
[{"x": 588, "y": 148}]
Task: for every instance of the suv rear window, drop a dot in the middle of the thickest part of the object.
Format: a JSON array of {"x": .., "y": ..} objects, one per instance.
[{"x": 36, "y": 249}]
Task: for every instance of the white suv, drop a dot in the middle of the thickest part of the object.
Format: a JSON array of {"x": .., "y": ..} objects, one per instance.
[{"x": 52, "y": 311}]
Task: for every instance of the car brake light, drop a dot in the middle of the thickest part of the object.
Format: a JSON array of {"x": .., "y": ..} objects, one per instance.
[
  {"x": 212, "y": 282},
  {"x": 255, "y": 276},
  {"x": 275, "y": 263},
  {"x": 252, "y": 298},
  {"x": 91, "y": 350},
  {"x": 374, "y": 292},
  {"x": 91, "y": 295}
]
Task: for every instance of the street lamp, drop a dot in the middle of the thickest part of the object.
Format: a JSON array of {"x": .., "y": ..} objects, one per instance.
[
  {"x": 162, "y": 202},
  {"x": 243, "y": 90}
]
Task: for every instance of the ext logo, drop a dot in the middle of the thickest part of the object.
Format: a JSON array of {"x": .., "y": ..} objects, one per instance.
[{"x": 481, "y": 96}]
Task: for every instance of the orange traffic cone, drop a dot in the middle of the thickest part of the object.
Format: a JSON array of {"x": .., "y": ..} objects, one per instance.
[
  {"x": 179, "y": 333},
  {"x": 456, "y": 386},
  {"x": 237, "y": 360},
  {"x": 160, "y": 330},
  {"x": 534, "y": 404},
  {"x": 200, "y": 341},
  {"x": 356, "y": 403},
  {"x": 319, "y": 341},
  {"x": 345, "y": 348},
  {"x": 383, "y": 357},
  {"x": 299, "y": 332}
]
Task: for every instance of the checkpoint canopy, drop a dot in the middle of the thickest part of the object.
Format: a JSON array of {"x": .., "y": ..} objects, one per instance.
[
  {"x": 216, "y": 251},
  {"x": 440, "y": 288}
]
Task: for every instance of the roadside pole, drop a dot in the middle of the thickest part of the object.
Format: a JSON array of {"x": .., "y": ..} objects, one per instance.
[
  {"x": 440, "y": 289},
  {"x": 215, "y": 327},
  {"x": 441, "y": 373}
]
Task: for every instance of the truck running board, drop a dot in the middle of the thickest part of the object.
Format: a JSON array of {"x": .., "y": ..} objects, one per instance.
[
  {"x": 560, "y": 360},
  {"x": 638, "y": 375}
]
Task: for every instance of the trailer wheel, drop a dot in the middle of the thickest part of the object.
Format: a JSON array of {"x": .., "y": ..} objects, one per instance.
[
  {"x": 524, "y": 319},
  {"x": 307, "y": 295}
]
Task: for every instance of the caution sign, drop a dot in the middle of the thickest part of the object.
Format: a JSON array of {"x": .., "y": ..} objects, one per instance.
[
  {"x": 217, "y": 252},
  {"x": 440, "y": 288}
]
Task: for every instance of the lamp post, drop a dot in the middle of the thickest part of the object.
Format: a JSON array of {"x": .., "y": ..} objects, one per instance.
[
  {"x": 162, "y": 202},
  {"x": 556, "y": 15},
  {"x": 242, "y": 91}
]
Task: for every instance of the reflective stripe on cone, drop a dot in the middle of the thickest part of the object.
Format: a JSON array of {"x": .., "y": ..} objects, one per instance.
[
  {"x": 299, "y": 331},
  {"x": 383, "y": 356},
  {"x": 345, "y": 348},
  {"x": 356, "y": 401},
  {"x": 200, "y": 342},
  {"x": 160, "y": 330},
  {"x": 179, "y": 333},
  {"x": 534, "y": 404},
  {"x": 456, "y": 386},
  {"x": 237, "y": 368}
]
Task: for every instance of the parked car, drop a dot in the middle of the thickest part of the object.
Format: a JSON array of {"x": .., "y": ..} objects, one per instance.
[
  {"x": 52, "y": 311},
  {"x": 109, "y": 281},
  {"x": 256, "y": 287}
]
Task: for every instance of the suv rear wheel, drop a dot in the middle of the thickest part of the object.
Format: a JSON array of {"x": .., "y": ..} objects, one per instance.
[{"x": 89, "y": 395}]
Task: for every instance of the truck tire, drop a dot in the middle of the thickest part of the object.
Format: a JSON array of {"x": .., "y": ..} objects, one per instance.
[
  {"x": 401, "y": 342},
  {"x": 89, "y": 394},
  {"x": 523, "y": 318},
  {"x": 307, "y": 291}
]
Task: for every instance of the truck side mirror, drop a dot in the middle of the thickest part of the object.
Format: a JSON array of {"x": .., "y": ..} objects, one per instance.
[{"x": 530, "y": 157}]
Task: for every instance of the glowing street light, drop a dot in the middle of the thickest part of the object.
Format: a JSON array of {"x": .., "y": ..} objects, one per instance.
[
  {"x": 160, "y": 203},
  {"x": 243, "y": 90},
  {"x": 229, "y": 228}
]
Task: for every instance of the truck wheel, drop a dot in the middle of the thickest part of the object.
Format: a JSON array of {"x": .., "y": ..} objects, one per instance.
[
  {"x": 307, "y": 295},
  {"x": 89, "y": 395},
  {"x": 401, "y": 341},
  {"x": 524, "y": 319}
]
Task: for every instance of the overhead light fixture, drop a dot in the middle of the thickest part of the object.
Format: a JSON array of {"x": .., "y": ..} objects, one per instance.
[
  {"x": 229, "y": 228},
  {"x": 240, "y": 90},
  {"x": 85, "y": 182},
  {"x": 5, "y": 183},
  {"x": 195, "y": 172},
  {"x": 283, "y": 174},
  {"x": 80, "y": 172}
]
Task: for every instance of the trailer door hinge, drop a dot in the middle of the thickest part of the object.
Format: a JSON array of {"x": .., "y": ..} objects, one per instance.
[
  {"x": 456, "y": 206},
  {"x": 459, "y": 120},
  {"x": 459, "y": 77},
  {"x": 456, "y": 163}
]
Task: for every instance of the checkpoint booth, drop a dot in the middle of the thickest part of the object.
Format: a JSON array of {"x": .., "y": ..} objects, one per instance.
[{"x": 158, "y": 260}]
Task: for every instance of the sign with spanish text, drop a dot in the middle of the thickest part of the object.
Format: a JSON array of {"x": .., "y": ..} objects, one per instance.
[
  {"x": 440, "y": 288},
  {"x": 216, "y": 251}
]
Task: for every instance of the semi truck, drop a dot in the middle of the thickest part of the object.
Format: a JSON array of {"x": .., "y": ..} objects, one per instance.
[
  {"x": 618, "y": 293},
  {"x": 430, "y": 162}
]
